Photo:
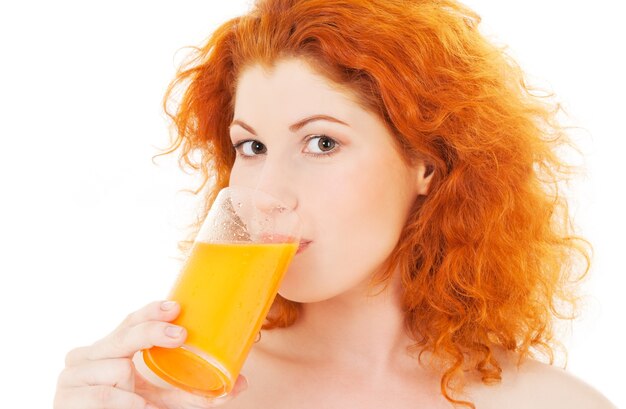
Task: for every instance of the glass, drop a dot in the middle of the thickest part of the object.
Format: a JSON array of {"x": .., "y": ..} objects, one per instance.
[{"x": 226, "y": 288}]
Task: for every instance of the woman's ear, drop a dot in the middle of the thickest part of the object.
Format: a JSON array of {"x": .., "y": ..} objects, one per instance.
[{"x": 424, "y": 173}]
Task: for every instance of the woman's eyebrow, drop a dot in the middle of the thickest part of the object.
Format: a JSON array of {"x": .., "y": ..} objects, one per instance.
[{"x": 295, "y": 127}]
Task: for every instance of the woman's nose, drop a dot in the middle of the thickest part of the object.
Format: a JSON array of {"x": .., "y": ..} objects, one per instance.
[{"x": 277, "y": 179}]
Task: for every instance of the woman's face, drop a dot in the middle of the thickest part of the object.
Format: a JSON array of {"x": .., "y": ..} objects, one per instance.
[{"x": 315, "y": 148}]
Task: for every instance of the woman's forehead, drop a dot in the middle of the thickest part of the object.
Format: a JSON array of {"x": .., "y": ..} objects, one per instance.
[{"x": 291, "y": 85}]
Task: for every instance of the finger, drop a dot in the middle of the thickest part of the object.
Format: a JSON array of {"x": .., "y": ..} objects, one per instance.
[
  {"x": 240, "y": 385},
  {"x": 125, "y": 342},
  {"x": 98, "y": 397},
  {"x": 119, "y": 373},
  {"x": 157, "y": 311},
  {"x": 178, "y": 398}
]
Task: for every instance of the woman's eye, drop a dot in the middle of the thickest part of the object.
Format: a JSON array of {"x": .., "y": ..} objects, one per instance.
[
  {"x": 250, "y": 148},
  {"x": 320, "y": 144}
]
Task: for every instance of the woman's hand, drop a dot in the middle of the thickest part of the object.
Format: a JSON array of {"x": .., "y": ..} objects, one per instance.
[{"x": 103, "y": 375}]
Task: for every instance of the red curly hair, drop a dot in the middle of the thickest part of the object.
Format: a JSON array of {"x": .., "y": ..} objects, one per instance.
[{"x": 488, "y": 259}]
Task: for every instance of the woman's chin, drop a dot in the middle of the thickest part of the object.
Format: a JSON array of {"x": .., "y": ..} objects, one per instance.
[
  {"x": 302, "y": 292},
  {"x": 300, "y": 295}
]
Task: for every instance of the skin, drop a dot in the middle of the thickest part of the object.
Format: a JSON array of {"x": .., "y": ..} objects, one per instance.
[
  {"x": 353, "y": 194},
  {"x": 347, "y": 349},
  {"x": 102, "y": 375},
  {"x": 353, "y": 201}
]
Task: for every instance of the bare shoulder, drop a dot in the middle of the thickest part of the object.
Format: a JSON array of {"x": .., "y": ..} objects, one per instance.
[{"x": 537, "y": 385}]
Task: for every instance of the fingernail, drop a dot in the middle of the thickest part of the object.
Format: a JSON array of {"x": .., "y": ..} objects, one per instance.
[
  {"x": 149, "y": 406},
  {"x": 168, "y": 305},
  {"x": 173, "y": 331}
]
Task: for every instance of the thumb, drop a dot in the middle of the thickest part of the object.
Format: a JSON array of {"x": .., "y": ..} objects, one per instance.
[{"x": 241, "y": 384}]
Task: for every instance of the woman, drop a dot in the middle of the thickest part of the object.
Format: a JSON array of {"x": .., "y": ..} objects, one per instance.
[{"x": 438, "y": 250}]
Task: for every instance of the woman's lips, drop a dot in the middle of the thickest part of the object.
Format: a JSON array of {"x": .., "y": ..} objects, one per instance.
[
  {"x": 281, "y": 238},
  {"x": 303, "y": 246}
]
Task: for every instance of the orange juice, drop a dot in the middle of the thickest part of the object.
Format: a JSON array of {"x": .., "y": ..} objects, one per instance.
[{"x": 225, "y": 291}]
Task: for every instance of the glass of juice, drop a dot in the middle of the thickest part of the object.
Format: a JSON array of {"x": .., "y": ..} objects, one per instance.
[{"x": 226, "y": 288}]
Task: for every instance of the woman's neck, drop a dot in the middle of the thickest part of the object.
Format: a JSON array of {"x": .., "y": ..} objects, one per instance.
[{"x": 352, "y": 331}]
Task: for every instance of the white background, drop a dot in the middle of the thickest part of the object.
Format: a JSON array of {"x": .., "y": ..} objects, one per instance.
[{"x": 89, "y": 225}]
